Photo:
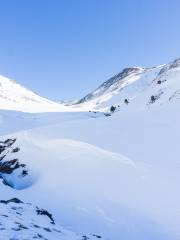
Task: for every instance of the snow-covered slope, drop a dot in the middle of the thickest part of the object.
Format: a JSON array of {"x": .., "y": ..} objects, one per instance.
[
  {"x": 92, "y": 190},
  {"x": 21, "y": 220},
  {"x": 105, "y": 91},
  {"x": 136, "y": 85},
  {"x": 130, "y": 85},
  {"x": 15, "y": 97},
  {"x": 95, "y": 189}
]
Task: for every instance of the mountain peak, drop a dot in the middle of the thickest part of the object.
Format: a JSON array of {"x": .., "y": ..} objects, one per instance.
[
  {"x": 116, "y": 78},
  {"x": 130, "y": 82}
]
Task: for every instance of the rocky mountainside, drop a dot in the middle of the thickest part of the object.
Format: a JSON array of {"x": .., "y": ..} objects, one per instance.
[
  {"x": 139, "y": 86},
  {"x": 113, "y": 84}
]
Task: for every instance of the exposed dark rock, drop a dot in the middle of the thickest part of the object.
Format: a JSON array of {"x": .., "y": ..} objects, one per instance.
[
  {"x": 107, "y": 114},
  {"x": 126, "y": 101},
  {"x": 13, "y": 200},
  {"x": 153, "y": 98},
  {"x": 85, "y": 237},
  {"x": 107, "y": 84},
  {"x": 46, "y": 213},
  {"x": 16, "y": 229},
  {"x": 8, "y": 165},
  {"x": 36, "y": 226},
  {"x": 47, "y": 229},
  {"x": 175, "y": 64},
  {"x": 17, "y": 149},
  {"x": 24, "y": 173},
  {"x": 56, "y": 230},
  {"x": 113, "y": 108},
  {"x": 21, "y": 226},
  {"x": 97, "y": 236},
  {"x": 19, "y": 213}
]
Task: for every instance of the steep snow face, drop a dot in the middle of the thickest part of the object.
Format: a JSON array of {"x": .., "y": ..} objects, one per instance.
[
  {"x": 138, "y": 86},
  {"x": 15, "y": 97}
]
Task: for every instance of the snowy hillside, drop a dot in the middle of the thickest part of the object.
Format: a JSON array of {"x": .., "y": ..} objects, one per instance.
[
  {"x": 136, "y": 85},
  {"x": 132, "y": 85},
  {"x": 15, "y": 97},
  {"x": 81, "y": 174}
]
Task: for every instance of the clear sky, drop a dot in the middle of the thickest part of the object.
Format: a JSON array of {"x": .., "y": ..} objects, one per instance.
[{"x": 63, "y": 49}]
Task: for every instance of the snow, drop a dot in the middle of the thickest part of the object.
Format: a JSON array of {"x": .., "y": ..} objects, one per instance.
[
  {"x": 116, "y": 176},
  {"x": 22, "y": 221},
  {"x": 137, "y": 86},
  {"x": 16, "y": 97}
]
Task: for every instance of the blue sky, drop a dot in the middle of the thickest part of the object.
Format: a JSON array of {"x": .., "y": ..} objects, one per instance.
[{"x": 63, "y": 49}]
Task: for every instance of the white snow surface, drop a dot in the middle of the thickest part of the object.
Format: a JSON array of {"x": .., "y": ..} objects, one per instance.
[
  {"x": 117, "y": 176},
  {"x": 13, "y": 96},
  {"x": 21, "y": 221}
]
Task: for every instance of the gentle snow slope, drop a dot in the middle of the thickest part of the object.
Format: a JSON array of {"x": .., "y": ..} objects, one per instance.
[
  {"x": 15, "y": 97},
  {"x": 99, "y": 191}
]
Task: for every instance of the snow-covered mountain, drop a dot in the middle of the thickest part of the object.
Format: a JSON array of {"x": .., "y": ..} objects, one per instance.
[
  {"x": 130, "y": 85},
  {"x": 92, "y": 171},
  {"x": 13, "y": 96},
  {"x": 136, "y": 85}
]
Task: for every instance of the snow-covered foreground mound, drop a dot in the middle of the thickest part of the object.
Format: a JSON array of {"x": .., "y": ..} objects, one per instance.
[{"x": 70, "y": 178}]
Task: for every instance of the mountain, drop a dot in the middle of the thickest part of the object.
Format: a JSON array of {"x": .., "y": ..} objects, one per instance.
[
  {"x": 13, "y": 96},
  {"x": 133, "y": 85},
  {"x": 115, "y": 83},
  {"x": 130, "y": 85},
  {"x": 106, "y": 167}
]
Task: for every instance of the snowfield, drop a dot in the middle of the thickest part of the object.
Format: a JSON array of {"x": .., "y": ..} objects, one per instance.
[{"x": 101, "y": 172}]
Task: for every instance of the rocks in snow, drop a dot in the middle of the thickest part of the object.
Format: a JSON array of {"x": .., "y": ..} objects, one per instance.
[
  {"x": 23, "y": 221},
  {"x": 10, "y": 167}
]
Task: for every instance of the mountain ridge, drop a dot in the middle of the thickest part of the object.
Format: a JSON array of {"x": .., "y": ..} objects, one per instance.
[{"x": 13, "y": 96}]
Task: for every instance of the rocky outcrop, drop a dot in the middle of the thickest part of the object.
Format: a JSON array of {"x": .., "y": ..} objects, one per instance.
[{"x": 9, "y": 163}]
